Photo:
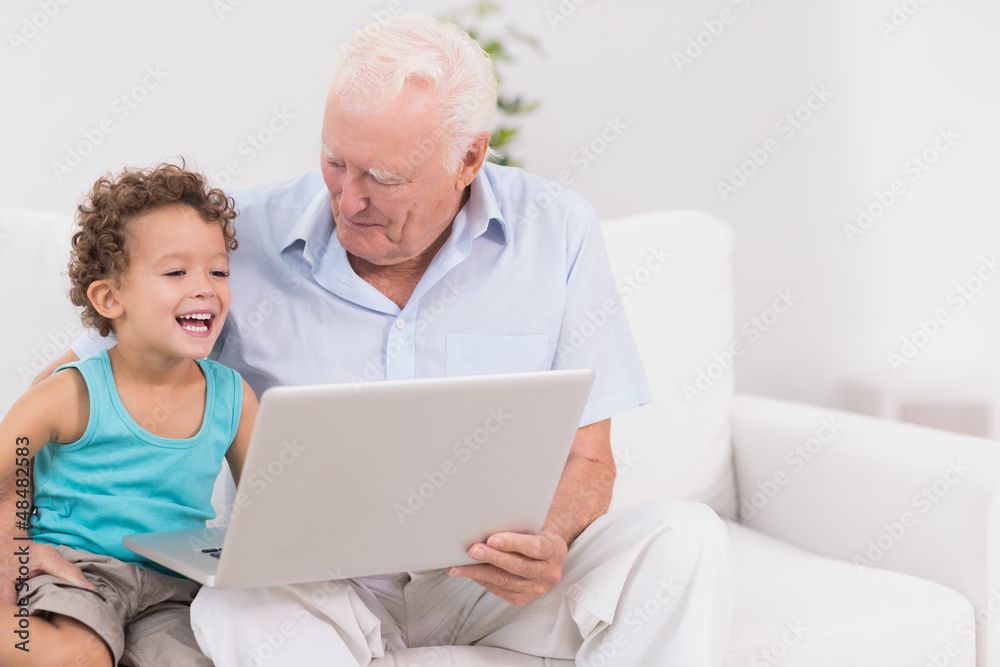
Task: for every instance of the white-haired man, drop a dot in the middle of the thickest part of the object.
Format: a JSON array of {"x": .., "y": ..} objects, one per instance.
[{"x": 407, "y": 257}]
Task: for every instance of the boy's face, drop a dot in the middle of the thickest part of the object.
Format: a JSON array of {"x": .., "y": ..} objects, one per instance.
[{"x": 175, "y": 292}]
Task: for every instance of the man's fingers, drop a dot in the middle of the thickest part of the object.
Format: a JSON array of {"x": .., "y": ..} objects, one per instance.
[
  {"x": 543, "y": 546},
  {"x": 516, "y": 567},
  {"x": 49, "y": 561},
  {"x": 514, "y": 563},
  {"x": 480, "y": 573},
  {"x": 497, "y": 581},
  {"x": 532, "y": 546},
  {"x": 68, "y": 572},
  {"x": 512, "y": 588}
]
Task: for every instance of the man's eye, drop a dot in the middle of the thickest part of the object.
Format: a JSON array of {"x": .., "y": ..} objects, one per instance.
[{"x": 387, "y": 184}]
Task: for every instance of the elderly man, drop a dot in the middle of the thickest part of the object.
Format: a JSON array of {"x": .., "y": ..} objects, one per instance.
[{"x": 407, "y": 256}]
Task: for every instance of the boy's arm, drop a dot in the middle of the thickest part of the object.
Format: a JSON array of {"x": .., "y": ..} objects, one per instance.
[
  {"x": 238, "y": 450},
  {"x": 56, "y": 409},
  {"x": 29, "y": 425}
]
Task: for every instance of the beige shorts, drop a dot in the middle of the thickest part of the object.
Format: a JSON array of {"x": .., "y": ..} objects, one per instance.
[{"x": 142, "y": 615}]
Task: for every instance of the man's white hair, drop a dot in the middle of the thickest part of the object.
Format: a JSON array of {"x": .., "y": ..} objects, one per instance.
[{"x": 376, "y": 62}]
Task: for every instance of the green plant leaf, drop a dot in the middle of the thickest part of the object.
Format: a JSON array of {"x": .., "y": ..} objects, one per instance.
[
  {"x": 470, "y": 18},
  {"x": 525, "y": 38},
  {"x": 485, "y": 8},
  {"x": 516, "y": 106},
  {"x": 502, "y": 135},
  {"x": 497, "y": 50}
]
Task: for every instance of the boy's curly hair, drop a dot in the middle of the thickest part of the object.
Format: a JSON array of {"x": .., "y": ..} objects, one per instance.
[{"x": 100, "y": 247}]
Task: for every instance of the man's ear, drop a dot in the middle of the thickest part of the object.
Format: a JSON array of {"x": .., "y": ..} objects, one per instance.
[
  {"x": 104, "y": 297},
  {"x": 472, "y": 161}
]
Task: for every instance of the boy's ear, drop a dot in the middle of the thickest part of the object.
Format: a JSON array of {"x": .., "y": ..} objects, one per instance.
[{"x": 104, "y": 298}]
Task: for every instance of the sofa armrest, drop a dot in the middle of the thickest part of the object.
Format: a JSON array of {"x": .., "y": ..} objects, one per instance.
[{"x": 875, "y": 492}]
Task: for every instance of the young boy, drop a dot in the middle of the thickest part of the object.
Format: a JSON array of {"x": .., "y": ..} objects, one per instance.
[{"x": 130, "y": 440}]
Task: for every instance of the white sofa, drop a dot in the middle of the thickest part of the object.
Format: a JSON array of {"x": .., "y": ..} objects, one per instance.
[{"x": 862, "y": 542}]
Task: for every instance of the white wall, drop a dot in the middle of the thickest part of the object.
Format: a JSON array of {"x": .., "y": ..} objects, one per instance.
[{"x": 223, "y": 75}]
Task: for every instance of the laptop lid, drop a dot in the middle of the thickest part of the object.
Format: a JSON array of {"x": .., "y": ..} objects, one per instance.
[{"x": 350, "y": 480}]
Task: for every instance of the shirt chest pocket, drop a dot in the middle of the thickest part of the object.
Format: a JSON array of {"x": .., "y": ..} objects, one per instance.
[{"x": 474, "y": 354}]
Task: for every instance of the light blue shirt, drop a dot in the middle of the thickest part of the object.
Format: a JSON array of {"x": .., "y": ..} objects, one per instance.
[{"x": 522, "y": 283}]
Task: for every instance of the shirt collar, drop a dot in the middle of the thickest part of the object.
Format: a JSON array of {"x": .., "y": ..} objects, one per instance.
[
  {"x": 316, "y": 225},
  {"x": 482, "y": 209}
]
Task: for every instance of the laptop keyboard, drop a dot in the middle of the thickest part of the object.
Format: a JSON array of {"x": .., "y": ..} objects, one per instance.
[{"x": 214, "y": 552}]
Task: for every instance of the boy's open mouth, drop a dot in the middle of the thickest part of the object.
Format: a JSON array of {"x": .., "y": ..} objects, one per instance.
[{"x": 196, "y": 322}]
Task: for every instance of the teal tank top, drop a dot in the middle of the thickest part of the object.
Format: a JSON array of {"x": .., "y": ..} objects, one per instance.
[{"x": 120, "y": 479}]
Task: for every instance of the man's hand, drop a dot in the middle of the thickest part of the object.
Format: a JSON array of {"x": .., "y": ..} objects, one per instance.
[
  {"x": 516, "y": 567},
  {"x": 42, "y": 559},
  {"x": 67, "y": 357},
  {"x": 46, "y": 560},
  {"x": 520, "y": 568}
]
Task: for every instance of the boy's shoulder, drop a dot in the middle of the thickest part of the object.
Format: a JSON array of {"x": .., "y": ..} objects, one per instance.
[
  {"x": 223, "y": 377},
  {"x": 96, "y": 361},
  {"x": 83, "y": 372},
  {"x": 67, "y": 389},
  {"x": 216, "y": 367},
  {"x": 67, "y": 378}
]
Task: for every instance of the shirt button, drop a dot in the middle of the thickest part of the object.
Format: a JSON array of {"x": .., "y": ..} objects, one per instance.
[{"x": 400, "y": 323}]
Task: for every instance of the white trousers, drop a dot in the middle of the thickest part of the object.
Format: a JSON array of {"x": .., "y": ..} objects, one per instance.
[{"x": 651, "y": 584}]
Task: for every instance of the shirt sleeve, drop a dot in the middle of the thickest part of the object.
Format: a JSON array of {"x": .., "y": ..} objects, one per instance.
[
  {"x": 595, "y": 332},
  {"x": 90, "y": 343}
]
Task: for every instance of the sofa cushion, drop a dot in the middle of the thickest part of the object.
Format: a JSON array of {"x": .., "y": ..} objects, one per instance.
[
  {"x": 675, "y": 278},
  {"x": 34, "y": 249},
  {"x": 797, "y": 609}
]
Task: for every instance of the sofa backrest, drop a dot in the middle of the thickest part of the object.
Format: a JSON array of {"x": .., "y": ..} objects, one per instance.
[
  {"x": 39, "y": 322},
  {"x": 674, "y": 273}
]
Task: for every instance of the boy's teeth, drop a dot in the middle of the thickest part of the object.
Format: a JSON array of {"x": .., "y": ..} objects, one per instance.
[{"x": 197, "y": 322}]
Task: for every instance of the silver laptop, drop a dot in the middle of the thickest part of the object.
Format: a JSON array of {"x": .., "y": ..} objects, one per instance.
[{"x": 351, "y": 480}]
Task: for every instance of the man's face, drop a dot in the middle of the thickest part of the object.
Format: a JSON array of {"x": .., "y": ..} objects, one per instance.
[{"x": 391, "y": 194}]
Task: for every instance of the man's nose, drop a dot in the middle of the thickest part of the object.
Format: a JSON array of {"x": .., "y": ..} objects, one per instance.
[{"x": 353, "y": 195}]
